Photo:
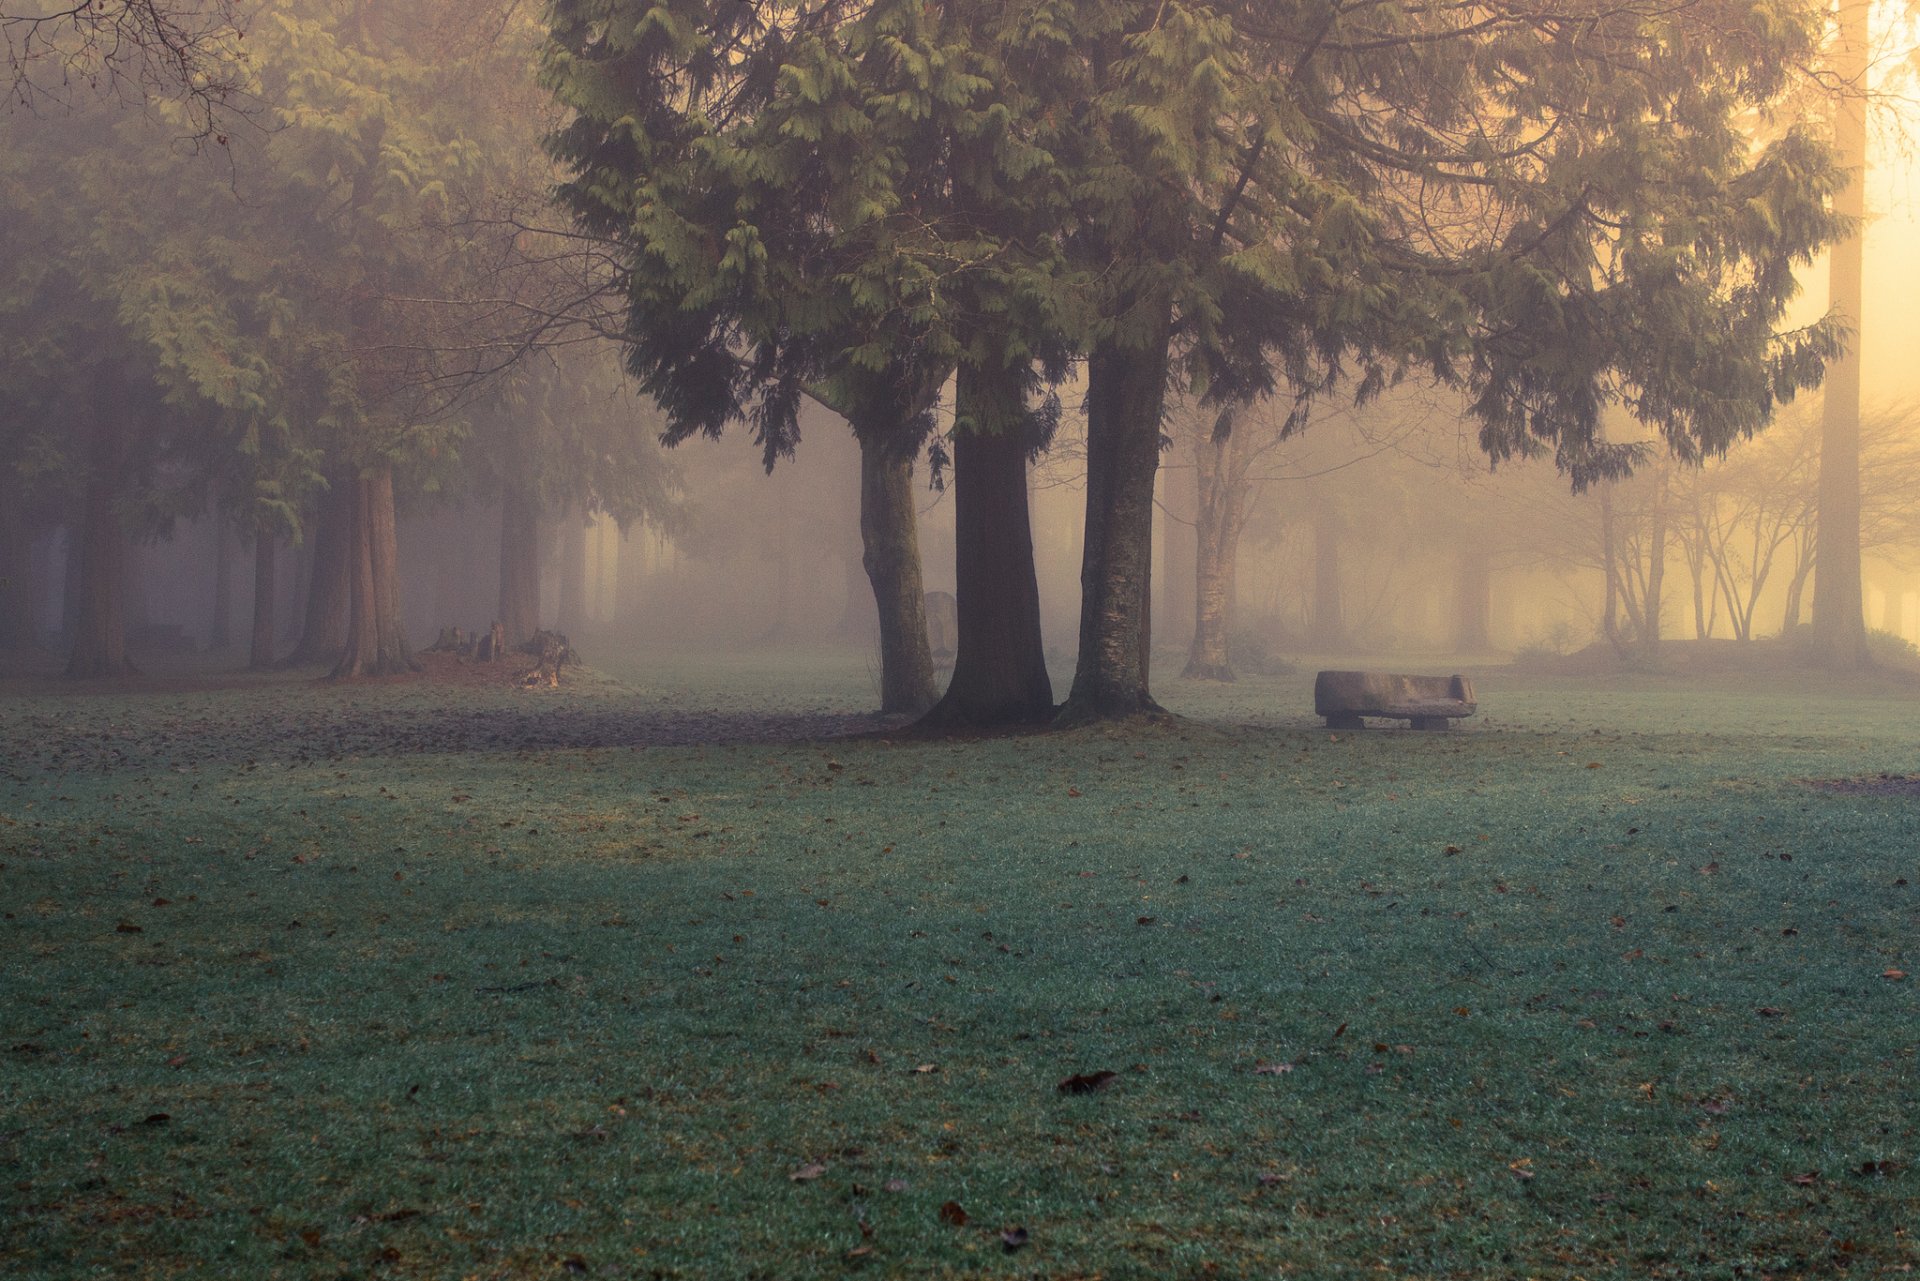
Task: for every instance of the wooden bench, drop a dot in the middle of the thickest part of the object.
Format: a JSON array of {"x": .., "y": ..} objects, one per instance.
[{"x": 1430, "y": 702}]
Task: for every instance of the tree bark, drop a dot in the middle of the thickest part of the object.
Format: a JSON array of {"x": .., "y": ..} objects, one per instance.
[
  {"x": 519, "y": 563},
  {"x": 376, "y": 638},
  {"x": 1000, "y": 666},
  {"x": 220, "y": 630},
  {"x": 1839, "y": 616},
  {"x": 1220, "y": 496},
  {"x": 17, "y": 595},
  {"x": 1656, "y": 575},
  {"x": 890, "y": 553},
  {"x": 100, "y": 632},
  {"x": 1126, "y": 391},
  {"x": 573, "y": 572},
  {"x": 324, "y": 635},
  {"x": 260, "y": 651},
  {"x": 1329, "y": 628},
  {"x": 1476, "y": 602}
]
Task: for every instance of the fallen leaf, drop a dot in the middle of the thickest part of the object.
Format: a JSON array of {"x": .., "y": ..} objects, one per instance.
[
  {"x": 895, "y": 1185},
  {"x": 1879, "y": 1169},
  {"x": 1272, "y": 1069},
  {"x": 1806, "y": 1180},
  {"x": 157, "y": 1118},
  {"x": 1073, "y": 791},
  {"x": 1522, "y": 1169},
  {"x": 859, "y": 1252},
  {"x": 575, "y": 1264},
  {"x": 1087, "y": 1084},
  {"x": 1717, "y": 1107},
  {"x": 1451, "y": 849},
  {"x": 1593, "y": 764},
  {"x": 922, "y": 1069},
  {"x": 1013, "y": 1238},
  {"x": 1770, "y": 1012},
  {"x": 128, "y": 927},
  {"x": 953, "y": 1215},
  {"x": 808, "y": 1172},
  {"x": 1893, "y": 974},
  {"x": 1143, "y": 920}
]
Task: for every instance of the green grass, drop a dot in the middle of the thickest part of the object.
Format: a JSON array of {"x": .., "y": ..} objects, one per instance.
[{"x": 480, "y": 984}]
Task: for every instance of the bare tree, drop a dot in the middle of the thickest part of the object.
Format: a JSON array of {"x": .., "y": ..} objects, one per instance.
[{"x": 175, "y": 48}]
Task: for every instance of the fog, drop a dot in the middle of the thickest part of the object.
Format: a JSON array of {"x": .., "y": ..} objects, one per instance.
[{"x": 1350, "y": 529}]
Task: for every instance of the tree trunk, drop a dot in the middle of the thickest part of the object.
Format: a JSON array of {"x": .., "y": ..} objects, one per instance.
[
  {"x": 890, "y": 552},
  {"x": 220, "y": 629},
  {"x": 573, "y": 573},
  {"x": 1839, "y": 618},
  {"x": 1475, "y": 635},
  {"x": 1329, "y": 629},
  {"x": 17, "y": 596},
  {"x": 519, "y": 563},
  {"x": 99, "y": 631},
  {"x": 376, "y": 638},
  {"x": 1220, "y": 493},
  {"x": 329, "y": 580},
  {"x": 1126, "y": 391},
  {"x": 260, "y": 652},
  {"x": 1656, "y": 575},
  {"x": 1000, "y": 666}
]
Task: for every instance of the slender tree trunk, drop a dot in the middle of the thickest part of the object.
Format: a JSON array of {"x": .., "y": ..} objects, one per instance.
[
  {"x": 265, "y": 566},
  {"x": 1839, "y": 617},
  {"x": 1329, "y": 629},
  {"x": 519, "y": 564},
  {"x": 1126, "y": 392},
  {"x": 890, "y": 553},
  {"x": 329, "y": 580},
  {"x": 1000, "y": 666},
  {"x": 1475, "y": 634},
  {"x": 99, "y": 631},
  {"x": 573, "y": 572},
  {"x": 1656, "y": 576},
  {"x": 376, "y": 638},
  {"x": 220, "y": 630},
  {"x": 17, "y": 596},
  {"x": 1219, "y": 495}
]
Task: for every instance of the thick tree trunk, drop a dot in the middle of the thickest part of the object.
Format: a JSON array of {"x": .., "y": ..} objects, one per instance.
[
  {"x": 1839, "y": 616},
  {"x": 1126, "y": 391},
  {"x": 260, "y": 651},
  {"x": 99, "y": 630},
  {"x": 1000, "y": 666},
  {"x": 329, "y": 580},
  {"x": 17, "y": 596},
  {"x": 220, "y": 628},
  {"x": 1474, "y": 632},
  {"x": 519, "y": 564},
  {"x": 1220, "y": 493},
  {"x": 376, "y": 639},
  {"x": 890, "y": 553}
]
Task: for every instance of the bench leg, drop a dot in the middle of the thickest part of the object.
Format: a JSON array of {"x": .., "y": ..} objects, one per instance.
[
  {"x": 1345, "y": 720},
  {"x": 1433, "y": 722}
]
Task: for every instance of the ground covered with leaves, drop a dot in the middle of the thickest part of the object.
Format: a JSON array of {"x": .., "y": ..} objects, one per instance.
[{"x": 650, "y": 976}]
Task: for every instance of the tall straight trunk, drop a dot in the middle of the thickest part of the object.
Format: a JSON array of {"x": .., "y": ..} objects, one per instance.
[
  {"x": 1220, "y": 494},
  {"x": 1000, "y": 666},
  {"x": 1181, "y": 531},
  {"x": 573, "y": 573},
  {"x": 1839, "y": 618},
  {"x": 329, "y": 579},
  {"x": 1656, "y": 576},
  {"x": 1126, "y": 390},
  {"x": 1475, "y": 633},
  {"x": 890, "y": 553},
  {"x": 1328, "y": 628},
  {"x": 220, "y": 628},
  {"x": 260, "y": 651},
  {"x": 99, "y": 628},
  {"x": 376, "y": 638},
  {"x": 17, "y": 596},
  {"x": 519, "y": 563}
]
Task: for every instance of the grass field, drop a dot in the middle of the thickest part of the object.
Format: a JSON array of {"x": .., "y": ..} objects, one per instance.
[{"x": 627, "y": 980}]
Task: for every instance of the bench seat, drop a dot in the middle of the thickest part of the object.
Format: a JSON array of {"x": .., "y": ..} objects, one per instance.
[{"x": 1429, "y": 702}]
